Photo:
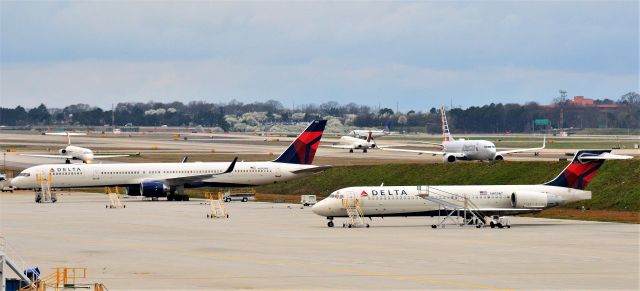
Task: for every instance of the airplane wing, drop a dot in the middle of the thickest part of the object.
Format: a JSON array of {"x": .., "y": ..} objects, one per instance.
[
  {"x": 413, "y": 151},
  {"x": 430, "y": 143},
  {"x": 342, "y": 146},
  {"x": 196, "y": 178},
  {"x": 49, "y": 156},
  {"x": 312, "y": 170},
  {"x": 109, "y": 156},
  {"x": 544, "y": 144}
]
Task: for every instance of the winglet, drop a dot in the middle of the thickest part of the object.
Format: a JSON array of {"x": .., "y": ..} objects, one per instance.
[
  {"x": 185, "y": 159},
  {"x": 233, "y": 165}
]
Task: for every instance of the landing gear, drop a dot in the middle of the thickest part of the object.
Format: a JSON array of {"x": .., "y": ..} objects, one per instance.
[
  {"x": 177, "y": 197},
  {"x": 364, "y": 151},
  {"x": 330, "y": 223},
  {"x": 67, "y": 161},
  {"x": 351, "y": 150}
]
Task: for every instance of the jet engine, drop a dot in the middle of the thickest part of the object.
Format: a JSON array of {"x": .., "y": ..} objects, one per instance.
[
  {"x": 498, "y": 158},
  {"x": 153, "y": 189},
  {"x": 63, "y": 151},
  {"x": 450, "y": 158},
  {"x": 535, "y": 200}
]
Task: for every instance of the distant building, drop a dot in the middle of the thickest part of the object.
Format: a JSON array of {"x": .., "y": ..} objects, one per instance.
[{"x": 586, "y": 102}]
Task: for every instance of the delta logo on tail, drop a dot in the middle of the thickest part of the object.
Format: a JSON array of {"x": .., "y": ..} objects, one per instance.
[
  {"x": 304, "y": 148},
  {"x": 581, "y": 170}
]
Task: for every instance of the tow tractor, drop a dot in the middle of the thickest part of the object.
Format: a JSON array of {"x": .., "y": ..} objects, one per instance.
[{"x": 499, "y": 222}]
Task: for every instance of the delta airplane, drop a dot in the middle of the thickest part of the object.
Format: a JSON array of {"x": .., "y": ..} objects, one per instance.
[
  {"x": 74, "y": 152},
  {"x": 462, "y": 149},
  {"x": 355, "y": 143},
  {"x": 487, "y": 200},
  {"x": 170, "y": 179}
]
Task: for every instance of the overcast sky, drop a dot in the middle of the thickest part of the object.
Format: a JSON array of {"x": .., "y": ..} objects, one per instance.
[{"x": 420, "y": 54}]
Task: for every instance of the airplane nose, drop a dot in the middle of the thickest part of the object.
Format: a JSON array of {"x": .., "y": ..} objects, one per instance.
[{"x": 319, "y": 208}]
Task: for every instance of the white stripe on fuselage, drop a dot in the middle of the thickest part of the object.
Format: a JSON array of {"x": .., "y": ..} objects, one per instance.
[
  {"x": 390, "y": 200},
  {"x": 91, "y": 175}
]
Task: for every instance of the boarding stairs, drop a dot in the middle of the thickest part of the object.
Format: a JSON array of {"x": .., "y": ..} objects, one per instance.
[
  {"x": 218, "y": 209},
  {"x": 44, "y": 193},
  {"x": 114, "y": 198},
  {"x": 457, "y": 205},
  {"x": 355, "y": 213}
]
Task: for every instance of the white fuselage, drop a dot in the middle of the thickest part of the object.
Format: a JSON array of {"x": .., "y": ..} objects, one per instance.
[
  {"x": 405, "y": 200},
  {"x": 361, "y": 133},
  {"x": 472, "y": 149},
  {"x": 78, "y": 153},
  {"x": 356, "y": 143},
  {"x": 95, "y": 175}
]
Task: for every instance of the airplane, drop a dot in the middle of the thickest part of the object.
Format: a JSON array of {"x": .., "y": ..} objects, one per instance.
[
  {"x": 71, "y": 152},
  {"x": 154, "y": 180},
  {"x": 462, "y": 149},
  {"x": 364, "y": 133},
  {"x": 486, "y": 200},
  {"x": 353, "y": 143}
]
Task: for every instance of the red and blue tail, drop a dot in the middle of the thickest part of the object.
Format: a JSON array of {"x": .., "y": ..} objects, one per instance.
[
  {"x": 583, "y": 168},
  {"x": 303, "y": 149}
]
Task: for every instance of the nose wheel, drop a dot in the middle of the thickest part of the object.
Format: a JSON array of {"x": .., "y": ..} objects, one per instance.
[{"x": 330, "y": 223}]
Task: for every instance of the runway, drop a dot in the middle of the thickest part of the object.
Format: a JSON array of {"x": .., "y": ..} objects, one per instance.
[{"x": 226, "y": 145}]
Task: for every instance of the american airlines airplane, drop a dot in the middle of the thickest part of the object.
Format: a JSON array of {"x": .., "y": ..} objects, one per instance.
[
  {"x": 170, "y": 179},
  {"x": 74, "y": 152},
  {"x": 462, "y": 149},
  {"x": 487, "y": 200}
]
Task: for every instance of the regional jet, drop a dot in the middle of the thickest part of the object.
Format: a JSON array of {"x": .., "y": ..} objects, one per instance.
[
  {"x": 484, "y": 200},
  {"x": 462, "y": 149},
  {"x": 71, "y": 152},
  {"x": 355, "y": 143},
  {"x": 375, "y": 133},
  {"x": 170, "y": 179}
]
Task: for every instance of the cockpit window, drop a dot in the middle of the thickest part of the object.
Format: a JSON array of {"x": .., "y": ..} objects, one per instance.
[{"x": 23, "y": 174}]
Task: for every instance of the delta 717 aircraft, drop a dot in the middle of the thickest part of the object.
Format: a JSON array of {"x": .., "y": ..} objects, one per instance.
[
  {"x": 484, "y": 200},
  {"x": 462, "y": 149},
  {"x": 74, "y": 152},
  {"x": 169, "y": 179}
]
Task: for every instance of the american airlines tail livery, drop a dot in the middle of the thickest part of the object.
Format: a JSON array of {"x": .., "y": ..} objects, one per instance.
[
  {"x": 170, "y": 179},
  {"x": 486, "y": 200}
]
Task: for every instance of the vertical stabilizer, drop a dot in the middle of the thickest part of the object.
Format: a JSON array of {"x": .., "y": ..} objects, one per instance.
[
  {"x": 445, "y": 126},
  {"x": 584, "y": 166},
  {"x": 303, "y": 149}
]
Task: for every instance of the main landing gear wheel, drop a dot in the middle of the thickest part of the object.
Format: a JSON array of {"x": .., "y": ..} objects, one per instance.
[
  {"x": 493, "y": 225},
  {"x": 330, "y": 224}
]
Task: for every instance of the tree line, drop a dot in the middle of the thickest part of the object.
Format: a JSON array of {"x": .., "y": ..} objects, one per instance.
[{"x": 491, "y": 118}]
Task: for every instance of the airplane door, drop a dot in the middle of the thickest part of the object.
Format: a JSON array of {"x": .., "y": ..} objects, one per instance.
[
  {"x": 278, "y": 172},
  {"x": 96, "y": 174}
]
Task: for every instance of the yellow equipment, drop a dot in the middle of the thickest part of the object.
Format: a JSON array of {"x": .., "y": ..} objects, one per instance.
[
  {"x": 114, "y": 198},
  {"x": 218, "y": 210}
]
